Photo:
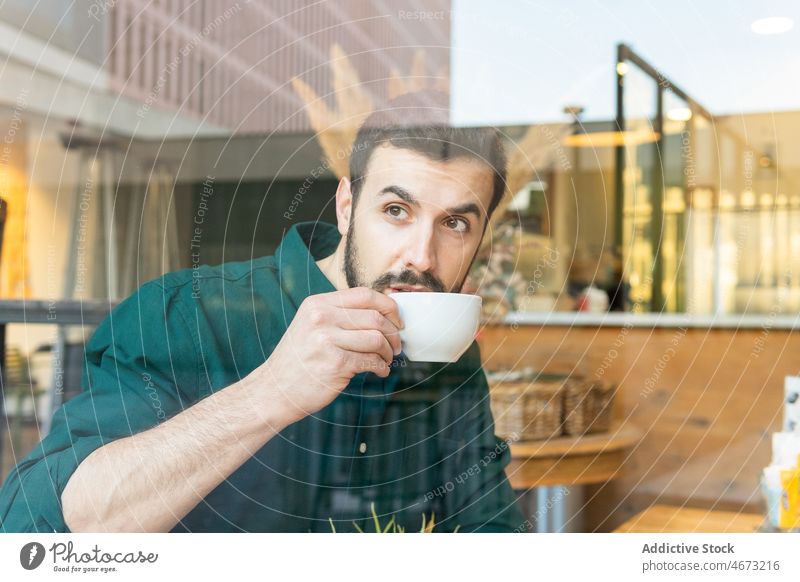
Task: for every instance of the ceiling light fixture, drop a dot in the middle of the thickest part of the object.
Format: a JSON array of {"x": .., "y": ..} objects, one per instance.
[
  {"x": 679, "y": 114},
  {"x": 602, "y": 139},
  {"x": 772, "y": 25}
]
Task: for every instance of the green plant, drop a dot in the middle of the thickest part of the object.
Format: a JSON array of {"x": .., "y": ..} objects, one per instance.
[{"x": 428, "y": 524}]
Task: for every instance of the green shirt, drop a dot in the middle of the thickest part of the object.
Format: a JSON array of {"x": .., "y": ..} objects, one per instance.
[{"x": 419, "y": 441}]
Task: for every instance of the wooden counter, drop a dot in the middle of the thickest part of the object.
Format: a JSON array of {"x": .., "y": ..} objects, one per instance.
[
  {"x": 706, "y": 401},
  {"x": 669, "y": 519},
  {"x": 570, "y": 460}
]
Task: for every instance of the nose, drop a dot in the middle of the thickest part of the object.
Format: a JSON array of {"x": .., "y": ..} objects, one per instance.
[{"x": 420, "y": 253}]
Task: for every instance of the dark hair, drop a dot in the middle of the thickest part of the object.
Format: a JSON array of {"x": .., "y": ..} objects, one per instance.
[{"x": 418, "y": 122}]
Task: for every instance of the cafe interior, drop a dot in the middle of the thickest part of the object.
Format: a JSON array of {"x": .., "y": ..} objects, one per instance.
[{"x": 640, "y": 280}]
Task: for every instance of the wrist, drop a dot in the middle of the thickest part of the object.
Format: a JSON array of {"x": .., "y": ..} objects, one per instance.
[{"x": 264, "y": 393}]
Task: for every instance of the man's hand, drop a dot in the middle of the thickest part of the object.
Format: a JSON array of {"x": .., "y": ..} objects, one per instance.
[{"x": 333, "y": 337}]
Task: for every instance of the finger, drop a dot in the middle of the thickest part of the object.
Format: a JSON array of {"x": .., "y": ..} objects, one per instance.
[
  {"x": 364, "y": 342},
  {"x": 355, "y": 319},
  {"x": 365, "y": 298},
  {"x": 369, "y": 363}
]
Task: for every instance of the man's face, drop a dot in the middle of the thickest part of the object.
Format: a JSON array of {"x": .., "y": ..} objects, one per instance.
[{"x": 417, "y": 223}]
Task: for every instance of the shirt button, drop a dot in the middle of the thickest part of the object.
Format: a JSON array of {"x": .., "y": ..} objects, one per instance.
[{"x": 362, "y": 448}]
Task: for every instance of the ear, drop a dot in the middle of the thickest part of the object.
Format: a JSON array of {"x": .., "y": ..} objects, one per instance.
[{"x": 344, "y": 205}]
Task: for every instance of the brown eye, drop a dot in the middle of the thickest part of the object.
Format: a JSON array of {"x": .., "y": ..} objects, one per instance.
[
  {"x": 395, "y": 211},
  {"x": 457, "y": 224}
]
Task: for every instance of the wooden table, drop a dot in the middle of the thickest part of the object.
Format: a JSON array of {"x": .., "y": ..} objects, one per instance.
[
  {"x": 570, "y": 460},
  {"x": 670, "y": 519},
  {"x": 550, "y": 466}
]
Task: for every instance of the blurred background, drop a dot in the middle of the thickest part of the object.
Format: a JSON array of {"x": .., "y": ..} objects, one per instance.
[{"x": 653, "y": 188}]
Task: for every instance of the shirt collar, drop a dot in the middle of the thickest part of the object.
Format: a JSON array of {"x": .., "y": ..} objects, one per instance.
[{"x": 296, "y": 256}]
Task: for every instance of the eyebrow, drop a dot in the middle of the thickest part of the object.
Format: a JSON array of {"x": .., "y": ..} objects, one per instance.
[{"x": 405, "y": 195}]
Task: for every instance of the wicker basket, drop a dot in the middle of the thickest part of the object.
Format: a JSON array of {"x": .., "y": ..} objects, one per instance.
[
  {"x": 587, "y": 407},
  {"x": 528, "y": 410}
]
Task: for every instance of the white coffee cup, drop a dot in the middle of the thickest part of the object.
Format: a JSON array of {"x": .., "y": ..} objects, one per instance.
[{"x": 439, "y": 327}]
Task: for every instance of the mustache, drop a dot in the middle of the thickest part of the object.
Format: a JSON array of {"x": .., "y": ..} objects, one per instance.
[{"x": 408, "y": 277}]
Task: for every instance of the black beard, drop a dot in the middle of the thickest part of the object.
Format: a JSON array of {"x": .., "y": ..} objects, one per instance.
[
  {"x": 350, "y": 260},
  {"x": 407, "y": 277}
]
